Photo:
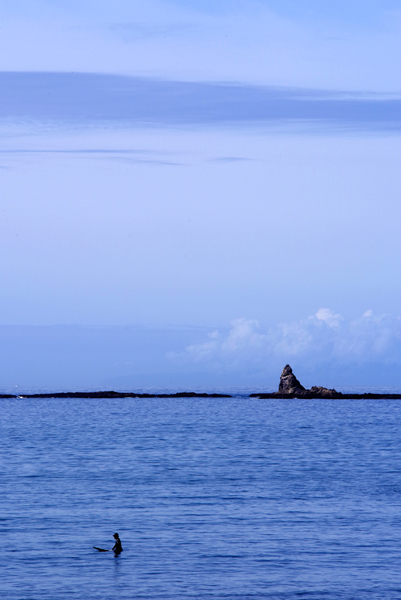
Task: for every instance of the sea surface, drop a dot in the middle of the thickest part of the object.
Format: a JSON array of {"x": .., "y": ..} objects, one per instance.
[{"x": 228, "y": 499}]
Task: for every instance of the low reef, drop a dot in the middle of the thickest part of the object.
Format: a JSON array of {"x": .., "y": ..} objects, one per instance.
[
  {"x": 290, "y": 387},
  {"x": 111, "y": 394}
]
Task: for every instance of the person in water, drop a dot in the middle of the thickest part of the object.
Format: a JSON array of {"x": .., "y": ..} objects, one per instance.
[{"x": 117, "y": 548}]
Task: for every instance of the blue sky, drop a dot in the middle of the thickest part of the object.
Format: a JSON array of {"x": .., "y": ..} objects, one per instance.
[
  {"x": 347, "y": 45},
  {"x": 230, "y": 167}
]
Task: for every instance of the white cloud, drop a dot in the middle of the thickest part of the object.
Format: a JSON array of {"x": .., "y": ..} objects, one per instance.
[
  {"x": 331, "y": 318},
  {"x": 243, "y": 340},
  {"x": 323, "y": 337}
]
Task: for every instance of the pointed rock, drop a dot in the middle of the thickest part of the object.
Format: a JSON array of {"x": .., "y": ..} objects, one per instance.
[{"x": 289, "y": 384}]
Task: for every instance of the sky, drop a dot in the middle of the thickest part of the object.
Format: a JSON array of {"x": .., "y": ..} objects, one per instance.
[{"x": 223, "y": 176}]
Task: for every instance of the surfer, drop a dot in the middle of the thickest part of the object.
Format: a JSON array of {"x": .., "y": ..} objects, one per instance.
[{"x": 117, "y": 548}]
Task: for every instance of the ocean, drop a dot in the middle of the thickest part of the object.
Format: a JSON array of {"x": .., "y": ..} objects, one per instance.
[{"x": 213, "y": 499}]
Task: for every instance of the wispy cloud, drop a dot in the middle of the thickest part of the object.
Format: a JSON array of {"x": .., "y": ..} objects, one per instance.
[
  {"x": 140, "y": 157},
  {"x": 90, "y": 98},
  {"x": 228, "y": 159},
  {"x": 130, "y": 32}
]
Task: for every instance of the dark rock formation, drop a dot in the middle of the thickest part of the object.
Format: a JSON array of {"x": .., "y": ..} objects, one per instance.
[
  {"x": 290, "y": 387},
  {"x": 289, "y": 384},
  {"x": 322, "y": 392}
]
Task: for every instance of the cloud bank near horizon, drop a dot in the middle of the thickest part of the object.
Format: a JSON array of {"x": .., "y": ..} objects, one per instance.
[
  {"x": 326, "y": 337},
  {"x": 323, "y": 349}
]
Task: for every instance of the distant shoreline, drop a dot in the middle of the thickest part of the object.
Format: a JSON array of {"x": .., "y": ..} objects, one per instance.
[
  {"x": 289, "y": 388},
  {"x": 262, "y": 396},
  {"x": 111, "y": 394}
]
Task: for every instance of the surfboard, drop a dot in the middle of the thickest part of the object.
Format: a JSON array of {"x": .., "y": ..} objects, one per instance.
[{"x": 101, "y": 549}]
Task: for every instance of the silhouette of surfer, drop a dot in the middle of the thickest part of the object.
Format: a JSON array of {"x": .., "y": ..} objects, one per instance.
[{"x": 117, "y": 548}]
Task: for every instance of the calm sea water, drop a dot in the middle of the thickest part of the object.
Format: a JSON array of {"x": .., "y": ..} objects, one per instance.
[{"x": 213, "y": 499}]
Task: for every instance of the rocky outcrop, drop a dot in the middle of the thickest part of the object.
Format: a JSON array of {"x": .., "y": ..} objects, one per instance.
[
  {"x": 322, "y": 392},
  {"x": 289, "y": 384},
  {"x": 290, "y": 387}
]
